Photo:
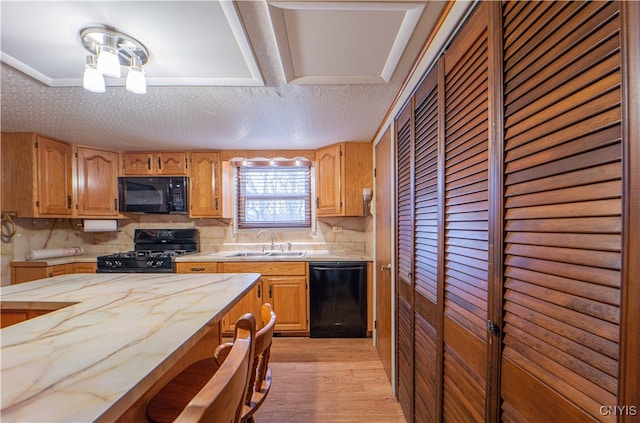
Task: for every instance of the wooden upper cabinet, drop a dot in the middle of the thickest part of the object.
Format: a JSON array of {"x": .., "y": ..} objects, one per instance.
[
  {"x": 37, "y": 176},
  {"x": 55, "y": 184},
  {"x": 164, "y": 163},
  {"x": 205, "y": 185},
  {"x": 329, "y": 177},
  {"x": 97, "y": 182},
  {"x": 343, "y": 171}
]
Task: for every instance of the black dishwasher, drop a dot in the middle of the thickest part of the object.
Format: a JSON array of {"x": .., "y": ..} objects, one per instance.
[{"x": 338, "y": 299}]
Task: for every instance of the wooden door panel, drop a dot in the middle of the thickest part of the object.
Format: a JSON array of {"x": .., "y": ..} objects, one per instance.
[
  {"x": 405, "y": 358},
  {"x": 466, "y": 220},
  {"x": 205, "y": 183},
  {"x": 54, "y": 177},
  {"x": 404, "y": 263},
  {"x": 140, "y": 164},
  {"x": 384, "y": 244},
  {"x": 563, "y": 213},
  {"x": 329, "y": 172},
  {"x": 288, "y": 296},
  {"x": 426, "y": 189},
  {"x": 171, "y": 163},
  {"x": 97, "y": 182},
  {"x": 426, "y": 369}
]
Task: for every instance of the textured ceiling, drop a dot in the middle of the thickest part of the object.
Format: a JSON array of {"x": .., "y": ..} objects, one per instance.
[{"x": 277, "y": 115}]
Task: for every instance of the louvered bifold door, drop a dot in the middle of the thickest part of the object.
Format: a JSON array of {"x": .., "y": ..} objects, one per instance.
[
  {"x": 466, "y": 222},
  {"x": 562, "y": 211},
  {"x": 404, "y": 263},
  {"x": 426, "y": 207}
]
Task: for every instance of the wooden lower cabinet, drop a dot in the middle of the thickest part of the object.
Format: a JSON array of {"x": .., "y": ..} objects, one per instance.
[
  {"x": 30, "y": 271},
  {"x": 85, "y": 267},
  {"x": 283, "y": 285},
  {"x": 26, "y": 271}
]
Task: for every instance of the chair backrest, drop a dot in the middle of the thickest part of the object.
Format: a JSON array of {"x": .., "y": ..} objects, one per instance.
[
  {"x": 264, "y": 339},
  {"x": 222, "y": 398}
]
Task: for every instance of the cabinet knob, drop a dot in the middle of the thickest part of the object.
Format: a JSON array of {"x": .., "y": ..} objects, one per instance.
[
  {"x": 197, "y": 269},
  {"x": 149, "y": 163},
  {"x": 385, "y": 267},
  {"x": 259, "y": 291},
  {"x": 159, "y": 163}
]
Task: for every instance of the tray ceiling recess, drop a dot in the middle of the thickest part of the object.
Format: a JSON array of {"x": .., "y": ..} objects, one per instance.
[
  {"x": 342, "y": 43},
  {"x": 193, "y": 43}
]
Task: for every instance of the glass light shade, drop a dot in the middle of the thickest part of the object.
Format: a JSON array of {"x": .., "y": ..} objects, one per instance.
[
  {"x": 108, "y": 62},
  {"x": 92, "y": 80},
  {"x": 136, "y": 82}
]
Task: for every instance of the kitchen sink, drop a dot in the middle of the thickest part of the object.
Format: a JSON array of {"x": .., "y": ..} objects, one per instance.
[
  {"x": 286, "y": 253},
  {"x": 248, "y": 254}
]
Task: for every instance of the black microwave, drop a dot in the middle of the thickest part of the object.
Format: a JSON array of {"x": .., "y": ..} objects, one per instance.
[{"x": 160, "y": 194}]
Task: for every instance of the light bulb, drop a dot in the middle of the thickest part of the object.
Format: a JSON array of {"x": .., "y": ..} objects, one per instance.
[
  {"x": 108, "y": 62},
  {"x": 136, "y": 82},
  {"x": 92, "y": 79}
]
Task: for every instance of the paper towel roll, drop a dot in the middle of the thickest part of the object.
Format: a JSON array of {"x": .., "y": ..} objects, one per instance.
[
  {"x": 100, "y": 225},
  {"x": 31, "y": 255}
]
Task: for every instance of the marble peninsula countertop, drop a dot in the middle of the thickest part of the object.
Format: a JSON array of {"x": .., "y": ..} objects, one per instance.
[{"x": 112, "y": 339}]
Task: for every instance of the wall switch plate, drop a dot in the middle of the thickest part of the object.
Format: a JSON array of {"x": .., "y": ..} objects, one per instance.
[{"x": 337, "y": 229}]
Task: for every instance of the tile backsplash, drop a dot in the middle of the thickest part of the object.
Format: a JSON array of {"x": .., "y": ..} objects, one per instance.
[{"x": 338, "y": 234}]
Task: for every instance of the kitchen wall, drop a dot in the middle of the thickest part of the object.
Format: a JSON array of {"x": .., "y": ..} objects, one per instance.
[{"x": 353, "y": 234}]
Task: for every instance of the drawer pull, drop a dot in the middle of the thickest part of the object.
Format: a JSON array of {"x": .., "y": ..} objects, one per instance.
[{"x": 197, "y": 269}]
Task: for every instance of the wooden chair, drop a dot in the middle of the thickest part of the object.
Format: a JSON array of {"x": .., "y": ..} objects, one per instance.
[
  {"x": 167, "y": 404},
  {"x": 221, "y": 399},
  {"x": 260, "y": 378}
]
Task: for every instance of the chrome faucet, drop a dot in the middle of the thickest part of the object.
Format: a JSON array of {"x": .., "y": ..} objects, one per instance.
[{"x": 273, "y": 245}]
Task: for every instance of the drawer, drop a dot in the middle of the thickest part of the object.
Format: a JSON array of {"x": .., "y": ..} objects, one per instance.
[
  {"x": 266, "y": 268},
  {"x": 197, "y": 267}
]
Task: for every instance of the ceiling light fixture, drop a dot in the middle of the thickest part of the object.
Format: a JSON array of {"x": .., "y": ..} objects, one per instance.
[
  {"x": 112, "y": 49},
  {"x": 92, "y": 80}
]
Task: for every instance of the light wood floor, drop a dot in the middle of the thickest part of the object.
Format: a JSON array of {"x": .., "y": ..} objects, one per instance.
[{"x": 328, "y": 381}]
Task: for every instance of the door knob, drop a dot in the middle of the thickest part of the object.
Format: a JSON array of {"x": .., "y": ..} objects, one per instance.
[{"x": 385, "y": 267}]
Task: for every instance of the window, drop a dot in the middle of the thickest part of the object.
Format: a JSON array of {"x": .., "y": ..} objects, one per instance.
[{"x": 274, "y": 194}]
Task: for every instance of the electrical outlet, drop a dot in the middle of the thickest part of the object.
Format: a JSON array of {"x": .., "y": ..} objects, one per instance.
[{"x": 337, "y": 229}]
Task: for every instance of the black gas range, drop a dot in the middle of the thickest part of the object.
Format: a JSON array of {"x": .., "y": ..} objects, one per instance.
[{"x": 154, "y": 251}]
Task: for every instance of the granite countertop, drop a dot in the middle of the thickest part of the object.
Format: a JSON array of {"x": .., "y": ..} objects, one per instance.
[
  {"x": 88, "y": 258},
  {"x": 311, "y": 255},
  {"x": 219, "y": 256},
  {"x": 91, "y": 359}
]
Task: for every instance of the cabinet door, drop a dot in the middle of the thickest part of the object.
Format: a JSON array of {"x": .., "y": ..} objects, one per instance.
[
  {"x": 21, "y": 274},
  {"x": 288, "y": 297},
  {"x": 138, "y": 164},
  {"x": 97, "y": 182},
  {"x": 328, "y": 187},
  {"x": 54, "y": 178},
  {"x": 205, "y": 186},
  {"x": 170, "y": 163},
  {"x": 250, "y": 303}
]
